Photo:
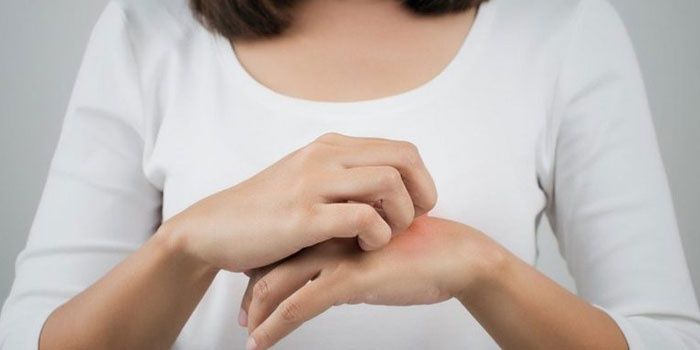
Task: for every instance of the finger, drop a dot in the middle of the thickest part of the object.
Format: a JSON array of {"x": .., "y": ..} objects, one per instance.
[
  {"x": 348, "y": 220},
  {"x": 380, "y": 186},
  {"x": 306, "y": 303},
  {"x": 402, "y": 155},
  {"x": 254, "y": 275},
  {"x": 245, "y": 305},
  {"x": 278, "y": 284}
]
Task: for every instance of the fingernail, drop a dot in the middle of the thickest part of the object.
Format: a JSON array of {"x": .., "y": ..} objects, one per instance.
[
  {"x": 243, "y": 318},
  {"x": 362, "y": 244},
  {"x": 251, "y": 344}
]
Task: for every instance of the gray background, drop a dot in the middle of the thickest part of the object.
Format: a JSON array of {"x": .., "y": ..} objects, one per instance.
[{"x": 41, "y": 44}]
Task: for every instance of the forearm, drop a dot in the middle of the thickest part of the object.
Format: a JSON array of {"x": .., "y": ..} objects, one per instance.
[
  {"x": 523, "y": 309},
  {"x": 142, "y": 303}
]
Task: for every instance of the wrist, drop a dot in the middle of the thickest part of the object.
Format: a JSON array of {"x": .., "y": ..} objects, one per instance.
[
  {"x": 491, "y": 271},
  {"x": 174, "y": 240}
]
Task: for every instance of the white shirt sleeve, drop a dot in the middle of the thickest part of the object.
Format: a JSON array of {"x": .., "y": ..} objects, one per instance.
[
  {"x": 97, "y": 206},
  {"x": 610, "y": 204}
]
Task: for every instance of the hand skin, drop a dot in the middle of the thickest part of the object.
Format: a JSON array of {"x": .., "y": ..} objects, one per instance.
[
  {"x": 432, "y": 261},
  {"x": 337, "y": 186},
  {"x": 326, "y": 189}
]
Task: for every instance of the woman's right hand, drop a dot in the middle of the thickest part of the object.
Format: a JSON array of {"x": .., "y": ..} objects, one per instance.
[{"x": 336, "y": 186}]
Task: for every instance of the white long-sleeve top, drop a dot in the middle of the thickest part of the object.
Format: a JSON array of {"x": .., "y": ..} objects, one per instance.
[{"x": 542, "y": 112}]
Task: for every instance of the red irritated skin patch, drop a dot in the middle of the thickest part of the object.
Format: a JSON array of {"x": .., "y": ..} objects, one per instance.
[
  {"x": 417, "y": 238},
  {"x": 431, "y": 259}
]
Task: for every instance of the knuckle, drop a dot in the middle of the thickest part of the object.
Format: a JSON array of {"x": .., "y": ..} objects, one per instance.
[
  {"x": 307, "y": 152},
  {"x": 390, "y": 178},
  {"x": 409, "y": 153},
  {"x": 290, "y": 311},
  {"x": 328, "y": 137},
  {"x": 261, "y": 290},
  {"x": 310, "y": 152},
  {"x": 409, "y": 147},
  {"x": 317, "y": 155}
]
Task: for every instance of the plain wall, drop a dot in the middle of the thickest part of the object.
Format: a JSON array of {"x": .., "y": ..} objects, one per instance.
[{"x": 41, "y": 44}]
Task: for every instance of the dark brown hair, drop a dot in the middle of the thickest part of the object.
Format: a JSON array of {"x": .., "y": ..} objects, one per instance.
[{"x": 265, "y": 18}]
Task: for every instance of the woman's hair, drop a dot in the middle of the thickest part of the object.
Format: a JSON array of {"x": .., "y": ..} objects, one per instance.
[{"x": 266, "y": 18}]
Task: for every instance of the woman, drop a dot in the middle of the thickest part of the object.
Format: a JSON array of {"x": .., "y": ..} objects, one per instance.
[{"x": 162, "y": 199}]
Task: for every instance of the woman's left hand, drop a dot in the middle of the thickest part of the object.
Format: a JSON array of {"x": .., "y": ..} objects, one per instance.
[{"x": 431, "y": 261}]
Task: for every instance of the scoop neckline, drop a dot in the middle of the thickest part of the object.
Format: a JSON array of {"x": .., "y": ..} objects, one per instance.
[{"x": 459, "y": 65}]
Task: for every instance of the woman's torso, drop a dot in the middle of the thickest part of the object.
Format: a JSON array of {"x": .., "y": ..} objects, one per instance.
[{"x": 481, "y": 125}]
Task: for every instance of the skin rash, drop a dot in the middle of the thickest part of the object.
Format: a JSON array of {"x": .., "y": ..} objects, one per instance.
[{"x": 431, "y": 261}]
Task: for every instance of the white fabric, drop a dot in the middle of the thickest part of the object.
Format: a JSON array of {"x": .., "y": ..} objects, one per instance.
[{"x": 543, "y": 111}]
